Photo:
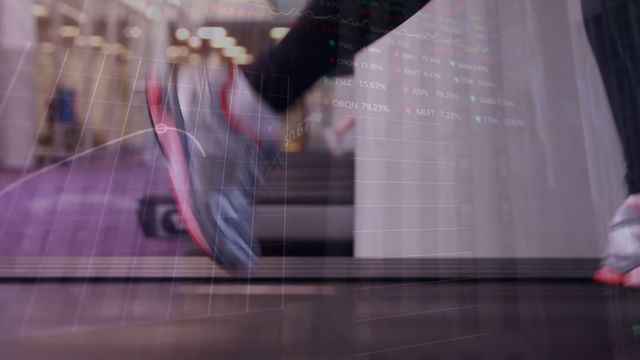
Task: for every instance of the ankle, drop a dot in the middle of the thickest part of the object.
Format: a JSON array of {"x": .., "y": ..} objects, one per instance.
[{"x": 249, "y": 113}]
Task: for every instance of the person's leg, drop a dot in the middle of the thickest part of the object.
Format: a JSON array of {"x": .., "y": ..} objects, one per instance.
[
  {"x": 323, "y": 32},
  {"x": 613, "y": 29},
  {"x": 217, "y": 145}
]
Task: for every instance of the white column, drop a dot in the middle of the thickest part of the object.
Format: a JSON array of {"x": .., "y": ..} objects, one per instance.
[
  {"x": 17, "y": 102},
  {"x": 507, "y": 176}
]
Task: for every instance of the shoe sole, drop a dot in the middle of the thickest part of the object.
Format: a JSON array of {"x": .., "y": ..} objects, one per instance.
[{"x": 611, "y": 277}]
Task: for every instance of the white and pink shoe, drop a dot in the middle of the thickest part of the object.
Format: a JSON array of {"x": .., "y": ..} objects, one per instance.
[
  {"x": 621, "y": 264},
  {"x": 214, "y": 158}
]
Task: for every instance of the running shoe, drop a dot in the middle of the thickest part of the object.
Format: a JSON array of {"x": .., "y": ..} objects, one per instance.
[
  {"x": 621, "y": 263},
  {"x": 215, "y": 162}
]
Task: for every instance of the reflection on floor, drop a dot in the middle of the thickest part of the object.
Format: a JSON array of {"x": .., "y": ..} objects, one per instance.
[{"x": 421, "y": 320}]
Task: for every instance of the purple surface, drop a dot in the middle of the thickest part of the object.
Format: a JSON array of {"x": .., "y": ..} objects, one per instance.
[{"x": 80, "y": 209}]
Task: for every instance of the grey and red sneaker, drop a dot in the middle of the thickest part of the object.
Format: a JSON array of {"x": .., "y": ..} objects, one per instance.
[
  {"x": 214, "y": 162},
  {"x": 621, "y": 263}
]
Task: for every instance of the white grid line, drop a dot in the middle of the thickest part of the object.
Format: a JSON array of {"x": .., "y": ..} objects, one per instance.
[
  {"x": 417, "y": 313},
  {"x": 436, "y": 342}
]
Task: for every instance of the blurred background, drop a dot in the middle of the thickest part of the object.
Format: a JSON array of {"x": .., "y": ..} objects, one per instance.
[
  {"x": 475, "y": 142},
  {"x": 467, "y": 133},
  {"x": 77, "y": 156}
]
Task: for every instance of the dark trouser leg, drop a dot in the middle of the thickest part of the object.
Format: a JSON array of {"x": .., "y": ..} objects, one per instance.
[
  {"x": 311, "y": 48},
  {"x": 613, "y": 27}
]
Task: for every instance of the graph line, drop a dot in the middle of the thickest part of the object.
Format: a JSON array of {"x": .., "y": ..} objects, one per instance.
[{"x": 162, "y": 129}]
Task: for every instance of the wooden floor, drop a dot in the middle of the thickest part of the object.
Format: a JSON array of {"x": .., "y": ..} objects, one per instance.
[{"x": 341, "y": 320}]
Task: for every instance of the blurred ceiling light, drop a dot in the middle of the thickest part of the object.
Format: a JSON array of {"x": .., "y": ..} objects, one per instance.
[
  {"x": 154, "y": 12},
  {"x": 47, "y": 48},
  {"x": 183, "y": 34},
  {"x": 39, "y": 10},
  {"x": 195, "y": 59},
  {"x": 80, "y": 41},
  {"x": 109, "y": 48},
  {"x": 114, "y": 48},
  {"x": 132, "y": 32},
  {"x": 221, "y": 43},
  {"x": 195, "y": 42},
  {"x": 212, "y": 32},
  {"x": 138, "y": 4},
  {"x": 177, "y": 51},
  {"x": 243, "y": 59},
  {"x": 278, "y": 33},
  {"x": 69, "y": 31},
  {"x": 95, "y": 41},
  {"x": 173, "y": 51},
  {"x": 234, "y": 51}
]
